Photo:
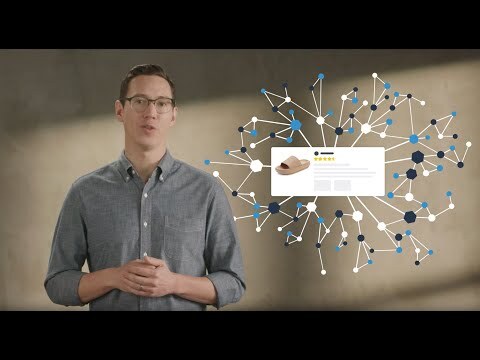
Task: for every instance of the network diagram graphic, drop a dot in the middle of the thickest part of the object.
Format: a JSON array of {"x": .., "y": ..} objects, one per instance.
[{"x": 375, "y": 118}]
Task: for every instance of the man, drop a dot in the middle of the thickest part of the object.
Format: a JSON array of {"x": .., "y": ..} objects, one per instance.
[{"x": 149, "y": 226}]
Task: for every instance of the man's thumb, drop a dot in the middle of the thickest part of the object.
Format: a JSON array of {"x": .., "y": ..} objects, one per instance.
[{"x": 153, "y": 261}]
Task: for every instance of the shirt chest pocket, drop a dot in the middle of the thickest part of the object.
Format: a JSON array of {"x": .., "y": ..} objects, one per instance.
[{"x": 183, "y": 238}]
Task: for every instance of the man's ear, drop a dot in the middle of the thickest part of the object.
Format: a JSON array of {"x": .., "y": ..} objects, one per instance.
[
  {"x": 174, "y": 117},
  {"x": 119, "y": 111}
]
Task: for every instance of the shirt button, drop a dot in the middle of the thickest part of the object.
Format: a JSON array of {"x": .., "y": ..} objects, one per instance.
[
  {"x": 161, "y": 178},
  {"x": 128, "y": 177},
  {"x": 145, "y": 224},
  {"x": 133, "y": 172},
  {"x": 145, "y": 195}
]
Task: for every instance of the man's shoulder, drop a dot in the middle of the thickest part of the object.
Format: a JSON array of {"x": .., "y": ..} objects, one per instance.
[
  {"x": 185, "y": 169},
  {"x": 104, "y": 173}
]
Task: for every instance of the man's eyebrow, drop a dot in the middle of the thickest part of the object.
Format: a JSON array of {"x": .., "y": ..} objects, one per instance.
[{"x": 145, "y": 96}]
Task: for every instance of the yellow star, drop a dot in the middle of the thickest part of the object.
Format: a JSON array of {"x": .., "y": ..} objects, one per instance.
[
  {"x": 329, "y": 158},
  {"x": 324, "y": 159}
]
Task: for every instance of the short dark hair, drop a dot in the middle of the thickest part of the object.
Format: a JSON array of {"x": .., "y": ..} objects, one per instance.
[{"x": 144, "y": 69}]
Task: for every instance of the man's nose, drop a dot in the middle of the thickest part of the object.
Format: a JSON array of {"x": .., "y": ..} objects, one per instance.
[{"x": 151, "y": 110}]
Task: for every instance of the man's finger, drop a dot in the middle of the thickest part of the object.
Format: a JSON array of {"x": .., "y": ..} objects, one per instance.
[
  {"x": 153, "y": 261},
  {"x": 142, "y": 271}
]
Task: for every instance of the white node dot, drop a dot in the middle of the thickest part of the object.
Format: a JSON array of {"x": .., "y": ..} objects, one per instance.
[
  {"x": 440, "y": 136},
  {"x": 234, "y": 218},
  {"x": 320, "y": 120},
  {"x": 216, "y": 173},
  {"x": 355, "y": 270},
  {"x": 374, "y": 75},
  {"x": 252, "y": 145},
  {"x": 252, "y": 194},
  {"x": 279, "y": 229},
  {"x": 383, "y": 135},
  {"x": 254, "y": 119},
  {"x": 258, "y": 229},
  {"x": 422, "y": 103},
  {"x": 344, "y": 97},
  {"x": 365, "y": 102},
  {"x": 426, "y": 172},
  {"x": 468, "y": 144},
  {"x": 431, "y": 218},
  {"x": 451, "y": 206},
  {"x": 299, "y": 238},
  {"x": 357, "y": 216},
  {"x": 409, "y": 196},
  {"x": 344, "y": 234},
  {"x": 366, "y": 128},
  {"x": 323, "y": 272},
  {"x": 327, "y": 231},
  {"x": 417, "y": 250},
  {"x": 288, "y": 99},
  {"x": 381, "y": 226}
]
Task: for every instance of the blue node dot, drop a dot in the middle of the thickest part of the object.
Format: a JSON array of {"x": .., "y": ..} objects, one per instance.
[
  {"x": 291, "y": 111},
  {"x": 351, "y": 130},
  {"x": 408, "y": 232},
  {"x": 389, "y": 122},
  {"x": 454, "y": 113},
  {"x": 256, "y": 206},
  {"x": 337, "y": 248},
  {"x": 370, "y": 262},
  {"x": 330, "y": 112},
  {"x": 424, "y": 204},
  {"x": 396, "y": 175},
  {"x": 413, "y": 139},
  {"x": 430, "y": 252},
  {"x": 296, "y": 125},
  {"x": 355, "y": 100},
  {"x": 256, "y": 215},
  {"x": 227, "y": 152},
  {"x": 299, "y": 205},
  {"x": 289, "y": 233},
  {"x": 387, "y": 86},
  {"x": 321, "y": 76},
  {"x": 253, "y": 132},
  {"x": 263, "y": 91},
  {"x": 452, "y": 147},
  {"x": 207, "y": 162},
  {"x": 396, "y": 94},
  {"x": 439, "y": 167},
  {"x": 289, "y": 139},
  {"x": 320, "y": 220},
  {"x": 427, "y": 137},
  {"x": 399, "y": 249},
  {"x": 449, "y": 193},
  {"x": 390, "y": 195}
]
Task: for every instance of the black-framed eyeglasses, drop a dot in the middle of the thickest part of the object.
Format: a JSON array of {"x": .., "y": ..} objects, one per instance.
[{"x": 162, "y": 104}]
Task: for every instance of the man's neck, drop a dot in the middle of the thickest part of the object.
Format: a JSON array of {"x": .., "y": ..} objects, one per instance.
[{"x": 144, "y": 162}]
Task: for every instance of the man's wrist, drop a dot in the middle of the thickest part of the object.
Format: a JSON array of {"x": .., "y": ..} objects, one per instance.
[{"x": 177, "y": 287}]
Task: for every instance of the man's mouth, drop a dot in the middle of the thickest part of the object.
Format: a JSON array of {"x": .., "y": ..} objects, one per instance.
[{"x": 148, "y": 127}]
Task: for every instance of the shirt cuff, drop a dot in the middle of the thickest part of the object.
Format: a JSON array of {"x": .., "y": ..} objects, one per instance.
[
  {"x": 227, "y": 286},
  {"x": 63, "y": 288}
]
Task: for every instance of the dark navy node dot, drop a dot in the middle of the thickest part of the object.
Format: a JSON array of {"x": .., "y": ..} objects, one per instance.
[
  {"x": 398, "y": 237},
  {"x": 321, "y": 76},
  {"x": 373, "y": 107},
  {"x": 289, "y": 139},
  {"x": 263, "y": 91},
  {"x": 417, "y": 262},
  {"x": 339, "y": 131},
  {"x": 417, "y": 157},
  {"x": 360, "y": 237},
  {"x": 430, "y": 252},
  {"x": 317, "y": 245},
  {"x": 408, "y": 232},
  {"x": 243, "y": 149},
  {"x": 274, "y": 207},
  {"x": 433, "y": 121},
  {"x": 439, "y": 167},
  {"x": 440, "y": 154},
  {"x": 351, "y": 130},
  {"x": 409, "y": 96},
  {"x": 454, "y": 113},
  {"x": 372, "y": 251},
  {"x": 452, "y": 147},
  {"x": 285, "y": 85},
  {"x": 227, "y": 152},
  {"x": 386, "y": 86},
  {"x": 320, "y": 220},
  {"x": 207, "y": 162},
  {"x": 295, "y": 125},
  {"x": 392, "y": 107},
  {"x": 234, "y": 193},
  {"x": 413, "y": 138},
  {"x": 289, "y": 233},
  {"x": 424, "y": 204},
  {"x": 345, "y": 243},
  {"x": 460, "y": 164},
  {"x": 253, "y": 132},
  {"x": 389, "y": 122},
  {"x": 387, "y": 97},
  {"x": 352, "y": 115},
  {"x": 295, "y": 219},
  {"x": 286, "y": 243},
  {"x": 370, "y": 261},
  {"x": 390, "y": 195},
  {"x": 339, "y": 213},
  {"x": 272, "y": 135},
  {"x": 316, "y": 153},
  {"x": 455, "y": 136},
  {"x": 275, "y": 108},
  {"x": 399, "y": 250},
  {"x": 410, "y": 217},
  {"x": 355, "y": 89},
  {"x": 396, "y": 94},
  {"x": 449, "y": 193},
  {"x": 396, "y": 175},
  {"x": 240, "y": 129},
  {"x": 291, "y": 111},
  {"x": 311, "y": 87},
  {"x": 355, "y": 100},
  {"x": 411, "y": 174}
]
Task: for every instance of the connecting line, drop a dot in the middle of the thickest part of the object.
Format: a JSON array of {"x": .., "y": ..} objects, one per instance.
[
  {"x": 429, "y": 148},
  {"x": 225, "y": 163},
  {"x": 448, "y": 123},
  {"x": 244, "y": 180},
  {"x": 398, "y": 187},
  {"x": 356, "y": 197},
  {"x": 393, "y": 207},
  {"x": 358, "y": 254},
  {"x": 323, "y": 136},
  {"x": 305, "y": 224},
  {"x": 285, "y": 200},
  {"x": 359, "y": 136},
  {"x": 411, "y": 115},
  {"x": 393, "y": 161},
  {"x": 239, "y": 158},
  {"x": 284, "y": 213},
  {"x": 351, "y": 204},
  {"x": 273, "y": 122},
  {"x": 265, "y": 219},
  {"x": 308, "y": 112},
  {"x": 316, "y": 107},
  {"x": 225, "y": 183},
  {"x": 393, "y": 147},
  {"x": 300, "y": 131},
  {"x": 241, "y": 197}
]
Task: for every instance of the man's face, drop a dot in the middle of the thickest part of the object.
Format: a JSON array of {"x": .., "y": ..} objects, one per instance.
[{"x": 147, "y": 129}]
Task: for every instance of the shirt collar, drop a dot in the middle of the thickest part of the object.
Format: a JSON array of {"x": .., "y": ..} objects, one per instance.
[{"x": 164, "y": 166}]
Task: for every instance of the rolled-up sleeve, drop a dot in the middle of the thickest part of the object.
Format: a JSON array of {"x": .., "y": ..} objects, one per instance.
[
  {"x": 68, "y": 253},
  {"x": 223, "y": 256}
]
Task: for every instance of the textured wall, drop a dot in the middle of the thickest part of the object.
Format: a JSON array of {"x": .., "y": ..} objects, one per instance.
[{"x": 57, "y": 123}]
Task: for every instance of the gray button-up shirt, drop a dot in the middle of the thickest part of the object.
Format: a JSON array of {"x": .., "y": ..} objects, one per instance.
[{"x": 110, "y": 217}]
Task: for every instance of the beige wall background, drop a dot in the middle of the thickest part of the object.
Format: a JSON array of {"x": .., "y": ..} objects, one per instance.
[{"x": 57, "y": 123}]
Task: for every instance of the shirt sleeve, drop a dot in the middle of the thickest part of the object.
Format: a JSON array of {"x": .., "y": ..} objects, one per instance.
[
  {"x": 68, "y": 253},
  {"x": 223, "y": 256}
]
